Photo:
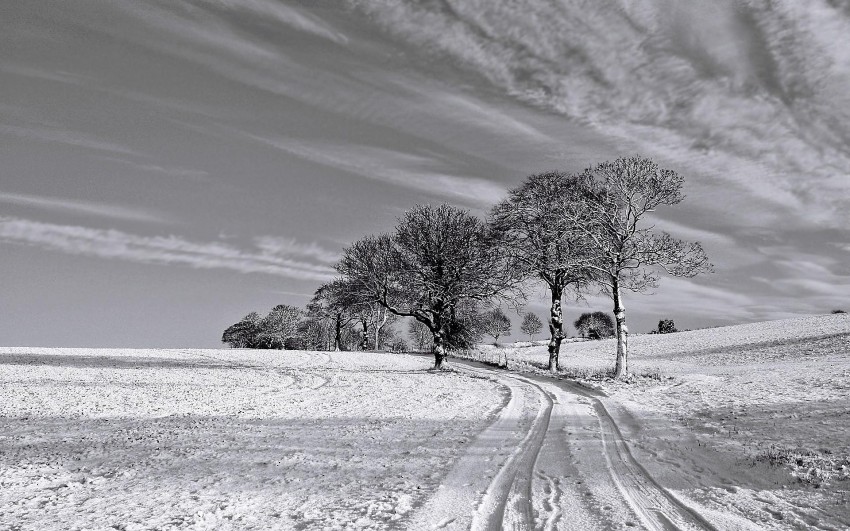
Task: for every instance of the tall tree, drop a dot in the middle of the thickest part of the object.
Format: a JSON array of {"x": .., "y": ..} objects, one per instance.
[
  {"x": 539, "y": 227},
  {"x": 628, "y": 253},
  {"x": 437, "y": 258},
  {"x": 531, "y": 325}
]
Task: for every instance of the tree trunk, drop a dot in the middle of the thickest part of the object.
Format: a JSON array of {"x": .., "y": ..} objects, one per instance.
[
  {"x": 556, "y": 329},
  {"x": 439, "y": 350},
  {"x": 621, "y": 368},
  {"x": 338, "y": 334},
  {"x": 383, "y": 315},
  {"x": 364, "y": 345}
]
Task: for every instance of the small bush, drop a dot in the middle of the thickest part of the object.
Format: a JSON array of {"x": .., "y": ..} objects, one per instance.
[
  {"x": 814, "y": 468},
  {"x": 589, "y": 373},
  {"x": 666, "y": 326},
  {"x": 596, "y": 325}
]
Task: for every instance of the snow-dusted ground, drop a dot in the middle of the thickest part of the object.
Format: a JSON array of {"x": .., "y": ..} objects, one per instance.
[
  {"x": 750, "y": 424},
  {"x": 743, "y": 427},
  {"x": 227, "y": 439}
]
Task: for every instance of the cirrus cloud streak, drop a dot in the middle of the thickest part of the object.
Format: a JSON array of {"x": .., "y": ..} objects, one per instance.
[{"x": 289, "y": 260}]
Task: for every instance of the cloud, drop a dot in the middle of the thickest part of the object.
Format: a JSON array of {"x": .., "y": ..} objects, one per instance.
[
  {"x": 286, "y": 15},
  {"x": 277, "y": 246},
  {"x": 746, "y": 96},
  {"x": 166, "y": 250},
  {"x": 67, "y": 137},
  {"x": 81, "y": 207},
  {"x": 57, "y": 76},
  {"x": 393, "y": 167},
  {"x": 171, "y": 171}
]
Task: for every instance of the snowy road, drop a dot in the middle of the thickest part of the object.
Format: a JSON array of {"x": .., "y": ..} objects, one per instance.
[{"x": 553, "y": 459}]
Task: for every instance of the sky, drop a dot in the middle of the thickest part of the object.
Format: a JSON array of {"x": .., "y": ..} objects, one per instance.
[{"x": 169, "y": 166}]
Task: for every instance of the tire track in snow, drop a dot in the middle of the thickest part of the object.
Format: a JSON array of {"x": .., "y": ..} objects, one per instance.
[
  {"x": 516, "y": 475},
  {"x": 654, "y": 505},
  {"x": 467, "y": 484},
  {"x": 657, "y": 508},
  {"x": 294, "y": 375}
]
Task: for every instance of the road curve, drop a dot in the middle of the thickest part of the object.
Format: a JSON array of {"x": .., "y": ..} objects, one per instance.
[{"x": 554, "y": 458}]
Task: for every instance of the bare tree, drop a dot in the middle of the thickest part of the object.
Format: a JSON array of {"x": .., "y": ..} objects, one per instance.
[
  {"x": 437, "y": 258},
  {"x": 628, "y": 253},
  {"x": 419, "y": 334},
  {"x": 280, "y": 324},
  {"x": 340, "y": 303},
  {"x": 382, "y": 320},
  {"x": 530, "y": 325},
  {"x": 539, "y": 227},
  {"x": 496, "y": 324}
]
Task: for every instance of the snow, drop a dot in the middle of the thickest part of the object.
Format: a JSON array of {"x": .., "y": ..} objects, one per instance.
[
  {"x": 750, "y": 424},
  {"x": 227, "y": 439},
  {"x": 745, "y": 427}
]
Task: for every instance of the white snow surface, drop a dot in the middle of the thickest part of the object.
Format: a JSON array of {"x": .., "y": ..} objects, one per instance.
[
  {"x": 707, "y": 409},
  {"x": 742, "y": 427},
  {"x": 227, "y": 439}
]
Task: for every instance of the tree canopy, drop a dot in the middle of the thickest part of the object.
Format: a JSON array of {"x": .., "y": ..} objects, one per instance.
[
  {"x": 627, "y": 253},
  {"x": 545, "y": 243},
  {"x": 437, "y": 259}
]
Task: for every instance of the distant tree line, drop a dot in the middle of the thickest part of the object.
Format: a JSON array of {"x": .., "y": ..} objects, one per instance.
[
  {"x": 449, "y": 272},
  {"x": 291, "y": 328}
]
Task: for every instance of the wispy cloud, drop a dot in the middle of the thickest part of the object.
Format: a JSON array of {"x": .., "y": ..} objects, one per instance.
[
  {"x": 67, "y": 137},
  {"x": 58, "y": 76},
  {"x": 171, "y": 171},
  {"x": 166, "y": 250},
  {"x": 286, "y": 15},
  {"x": 394, "y": 167},
  {"x": 749, "y": 96},
  {"x": 82, "y": 207},
  {"x": 278, "y": 246}
]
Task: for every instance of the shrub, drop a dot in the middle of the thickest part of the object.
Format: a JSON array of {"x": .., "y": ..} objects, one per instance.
[
  {"x": 666, "y": 326},
  {"x": 596, "y": 325}
]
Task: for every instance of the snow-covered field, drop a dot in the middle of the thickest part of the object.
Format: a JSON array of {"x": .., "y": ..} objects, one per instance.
[
  {"x": 750, "y": 422},
  {"x": 744, "y": 427},
  {"x": 227, "y": 439}
]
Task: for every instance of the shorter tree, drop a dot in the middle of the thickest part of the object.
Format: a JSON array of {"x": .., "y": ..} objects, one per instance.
[
  {"x": 496, "y": 324},
  {"x": 531, "y": 325},
  {"x": 279, "y": 325},
  {"x": 245, "y": 333},
  {"x": 419, "y": 335},
  {"x": 397, "y": 345},
  {"x": 596, "y": 325},
  {"x": 666, "y": 326},
  {"x": 316, "y": 333}
]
